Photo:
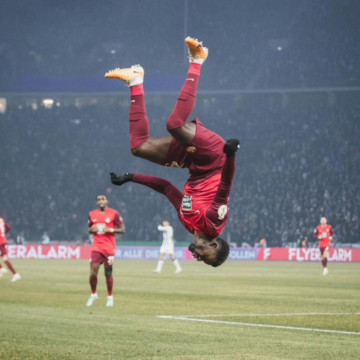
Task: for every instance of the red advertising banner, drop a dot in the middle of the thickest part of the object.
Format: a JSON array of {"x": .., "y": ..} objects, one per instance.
[
  {"x": 152, "y": 253},
  {"x": 308, "y": 254},
  {"x": 48, "y": 252}
]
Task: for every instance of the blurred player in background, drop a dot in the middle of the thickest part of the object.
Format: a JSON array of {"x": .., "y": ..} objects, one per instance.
[
  {"x": 104, "y": 223},
  {"x": 324, "y": 233},
  {"x": 203, "y": 208},
  {"x": 4, "y": 229},
  {"x": 167, "y": 247},
  {"x": 305, "y": 242}
]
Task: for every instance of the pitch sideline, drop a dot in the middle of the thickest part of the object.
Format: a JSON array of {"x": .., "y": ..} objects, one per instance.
[{"x": 193, "y": 318}]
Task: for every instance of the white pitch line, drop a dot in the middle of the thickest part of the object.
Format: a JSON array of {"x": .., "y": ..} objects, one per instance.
[
  {"x": 259, "y": 325},
  {"x": 265, "y": 315}
]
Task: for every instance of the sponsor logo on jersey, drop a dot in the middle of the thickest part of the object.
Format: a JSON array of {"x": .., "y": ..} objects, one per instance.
[
  {"x": 222, "y": 210},
  {"x": 186, "y": 202},
  {"x": 100, "y": 228}
]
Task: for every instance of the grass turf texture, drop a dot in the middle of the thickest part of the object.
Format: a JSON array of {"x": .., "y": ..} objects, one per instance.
[{"x": 43, "y": 316}]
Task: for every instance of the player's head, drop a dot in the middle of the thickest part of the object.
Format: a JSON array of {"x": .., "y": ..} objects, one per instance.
[
  {"x": 166, "y": 223},
  {"x": 212, "y": 252},
  {"x": 102, "y": 202},
  {"x": 323, "y": 220}
]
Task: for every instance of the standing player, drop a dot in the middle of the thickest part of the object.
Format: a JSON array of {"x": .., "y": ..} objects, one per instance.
[
  {"x": 324, "y": 233},
  {"x": 167, "y": 247},
  {"x": 104, "y": 223},
  {"x": 4, "y": 229},
  {"x": 203, "y": 208}
]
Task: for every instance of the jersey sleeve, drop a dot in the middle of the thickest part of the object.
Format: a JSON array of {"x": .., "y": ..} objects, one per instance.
[
  {"x": 161, "y": 228},
  {"x": 316, "y": 233},
  {"x": 118, "y": 220},
  {"x": 331, "y": 231},
  {"x": 7, "y": 227},
  {"x": 90, "y": 223},
  {"x": 218, "y": 208}
]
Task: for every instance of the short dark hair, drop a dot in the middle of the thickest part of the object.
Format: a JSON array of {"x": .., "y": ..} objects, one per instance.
[{"x": 222, "y": 253}]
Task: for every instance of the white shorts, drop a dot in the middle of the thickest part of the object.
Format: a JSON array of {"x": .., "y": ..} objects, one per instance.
[{"x": 167, "y": 249}]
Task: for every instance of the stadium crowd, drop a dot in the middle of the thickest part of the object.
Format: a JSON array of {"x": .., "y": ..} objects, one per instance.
[
  {"x": 281, "y": 48},
  {"x": 295, "y": 165}
]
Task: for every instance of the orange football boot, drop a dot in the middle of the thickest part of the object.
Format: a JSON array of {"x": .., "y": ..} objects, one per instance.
[
  {"x": 197, "y": 53},
  {"x": 130, "y": 76}
]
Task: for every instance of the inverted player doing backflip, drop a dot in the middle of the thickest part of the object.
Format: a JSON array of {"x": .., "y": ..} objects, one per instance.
[{"x": 203, "y": 207}]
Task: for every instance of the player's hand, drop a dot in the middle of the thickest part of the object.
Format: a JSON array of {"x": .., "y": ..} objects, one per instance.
[
  {"x": 109, "y": 230},
  {"x": 319, "y": 237},
  {"x": 120, "y": 179},
  {"x": 93, "y": 229},
  {"x": 110, "y": 260},
  {"x": 231, "y": 147},
  {"x": 113, "y": 176}
]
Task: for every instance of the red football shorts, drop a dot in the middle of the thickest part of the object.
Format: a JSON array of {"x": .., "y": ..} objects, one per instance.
[
  {"x": 203, "y": 155},
  {"x": 3, "y": 250},
  {"x": 99, "y": 258},
  {"x": 323, "y": 249}
]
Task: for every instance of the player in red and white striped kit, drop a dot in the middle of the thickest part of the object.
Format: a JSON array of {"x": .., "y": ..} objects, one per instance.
[
  {"x": 4, "y": 229},
  {"x": 203, "y": 206},
  {"x": 324, "y": 233}
]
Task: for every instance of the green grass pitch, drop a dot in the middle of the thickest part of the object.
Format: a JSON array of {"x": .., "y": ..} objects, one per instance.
[{"x": 43, "y": 316}]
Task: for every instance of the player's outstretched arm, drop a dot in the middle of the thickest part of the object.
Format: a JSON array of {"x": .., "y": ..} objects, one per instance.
[
  {"x": 223, "y": 192},
  {"x": 159, "y": 185},
  {"x": 120, "y": 179}
]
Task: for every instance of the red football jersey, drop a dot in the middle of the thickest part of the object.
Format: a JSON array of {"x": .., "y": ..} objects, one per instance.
[
  {"x": 203, "y": 156},
  {"x": 195, "y": 204},
  {"x": 4, "y": 229},
  {"x": 104, "y": 243},
  {"x": 325, "y": 233}
]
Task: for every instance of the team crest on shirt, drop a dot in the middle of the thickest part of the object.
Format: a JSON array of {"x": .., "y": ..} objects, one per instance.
[
  {"x": 186, "y": 202},
  {"x": 190, "y": 149},
  {"x": 222, "y": 210},
  {"x": 107, "y": 220}
]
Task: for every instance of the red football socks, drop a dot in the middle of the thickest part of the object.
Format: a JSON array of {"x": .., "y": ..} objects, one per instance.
[
  {"x": 324, "y": 262},
  {"x": 139, "y": 123},
  {"x": 93, "y": 283},
  {"x": 109, "y": 284},
  {"x": 186, "y": 99},
  {"x": 137, "y": 90},
  {"x": 194, "y": 69},
  {"x": 9, "y": 265}
]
